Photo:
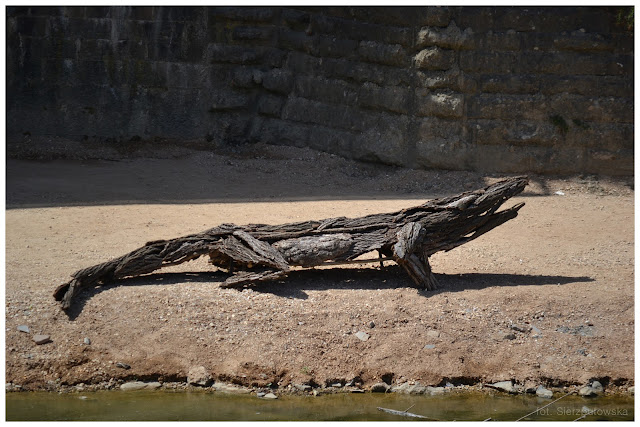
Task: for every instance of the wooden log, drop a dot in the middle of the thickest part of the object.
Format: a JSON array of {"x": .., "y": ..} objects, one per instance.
[{"x": 257, "y": 252}]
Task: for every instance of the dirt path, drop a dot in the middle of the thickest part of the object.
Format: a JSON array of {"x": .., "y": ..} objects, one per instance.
[{"x": 545, "y": 298}]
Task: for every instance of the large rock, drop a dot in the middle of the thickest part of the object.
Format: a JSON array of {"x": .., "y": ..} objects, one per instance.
[
  {"x": 198, "y": 375},
  {"x": 543, "y": 392},
  {"x": 506, "y": 386}
]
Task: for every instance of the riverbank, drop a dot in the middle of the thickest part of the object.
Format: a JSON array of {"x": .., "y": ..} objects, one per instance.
[{"x": 545, "y": 299}]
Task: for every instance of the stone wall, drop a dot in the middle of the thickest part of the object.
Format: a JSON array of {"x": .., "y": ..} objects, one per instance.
[{"x": 506, "y": 89}]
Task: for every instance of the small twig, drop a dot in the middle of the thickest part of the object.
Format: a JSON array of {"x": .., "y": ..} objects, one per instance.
[
  {"x": 581, "y": 417},
  {"x": 405, "y": 414},
  {"x": 488, "y": 419},
  {"x": 409, "y": 407},
  {"x": 548, "y": 404}
]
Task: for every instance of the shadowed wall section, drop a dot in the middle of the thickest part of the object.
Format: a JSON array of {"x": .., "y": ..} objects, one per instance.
[{"x": 537, "y": 89}]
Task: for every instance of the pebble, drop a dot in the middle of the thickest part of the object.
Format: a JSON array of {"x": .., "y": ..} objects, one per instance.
[
  {"x": 362, "y": 336},
  {"x": 133, "y": 385},
  {"x": 122, "y": 365},
  {"x": 198, "y": 375},
  {"x": 269, "y": 396},
  {"x": 510, "y": 337},
  {"x": 261, "y": 394},
  {"x": 587, "y": 391},
  {"x": 543, "y": 392},
  {"x": 302, "y": 387},
  {"x": 87, "y": 341},
  {"x": 372, "y": 325},
  {"x": 582, "y": 352},
  {"x": 24, "y": 328},
  {"x": 433, "y": 333},
  {"x": 597, "y": 387},
  {"x": 41, "y": 339},
  {"x": 429, "y": 346},
  {"x": 506, "y": 386},
  {"x": 379, "y": 388},
  {"x": 632, "y": 389}
]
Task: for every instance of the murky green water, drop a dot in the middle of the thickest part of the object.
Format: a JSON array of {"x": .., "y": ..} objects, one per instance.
[{"x": 203, "y": 406}]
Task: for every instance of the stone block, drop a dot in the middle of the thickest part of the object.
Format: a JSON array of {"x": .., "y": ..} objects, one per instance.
[
  {"x": 617, "y": 86},
  {"x": 295, "y": 40},
  {"x": 270, "y": 105},
  {"x": 330, "y": 115},
  {"x": 234, "y": 54},
  {"x": 450, "y": 37},
  {"x": 515, "y": 132},
  {"x": 435, "y": 58},
  {"x": 440, "y": 130},
  {"x": 243, "y": 33},
  {"x": 439, "y": 104},
  {"x": 331, "y": 140},
  {"x": 327, "y": 46},
  {"x": 223, "y": 99},
  {"x": 509, "y": 83},
  {"x": 31, "y": 26},
  {"x": 281, "y": 132},
  {"x": 581, "y": 41},
  {"x": 508, "y": 107},
  {"x": 327, "y": 90},
  {"x": 245, "y": 14},
  {"x": 444, "y": 154},
  {"x": 278, "y": 80},
  {"x": 438, "y": 79},
  {"x": 390, "y": 98},
  {"x": 499, "y": 41},
  {"x": 384, "y": 142},
  {"x": 433, "y": 16},
  {"x": 490, "y": 62},
  {"x": 295, "y": 19},
  {"x": 380, "y": 53},
  {"x": 356, "y": 30}
]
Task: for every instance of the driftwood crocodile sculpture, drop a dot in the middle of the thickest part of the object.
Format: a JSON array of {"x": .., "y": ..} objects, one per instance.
[{"x": 257, "y": 252}]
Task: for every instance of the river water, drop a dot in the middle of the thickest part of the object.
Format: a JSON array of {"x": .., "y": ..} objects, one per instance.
[{"x": 207, "y": 406}]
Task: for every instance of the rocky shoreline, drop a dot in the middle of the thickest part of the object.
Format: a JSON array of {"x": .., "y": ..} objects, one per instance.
[{"x": 206, "y": 384}]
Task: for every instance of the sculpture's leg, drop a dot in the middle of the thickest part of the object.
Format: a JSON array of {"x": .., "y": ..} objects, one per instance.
[
  {"x": 381, "y": 261},
  {"x": 405, "y": 254}
]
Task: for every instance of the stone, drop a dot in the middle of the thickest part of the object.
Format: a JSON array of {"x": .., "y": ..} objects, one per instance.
[
  {"x": 506, "y": 386},
  {"x": 434, "y": 58},
  {"x": 632, "y": 389},
  {"x": 379, "y": 388},
  {"x": 87, "y": 341},
  {"x": 510, "y": 336},
  {"x": 269, "y": 396},
  {"x": 24, "y": 328},
  {"x": 362, "y": 336},
  {"x": 372, "y": 325},
  {"x": 133, "y": 385},
  {"x": 302, "y": 387},
  {"x": 587, "y": 391},
  {"x": 430, "y": 346},
  {"x": 41, "y": 339},
  {"x": 123, "y": 365},
  {"x": 597, "y": 387},
  {"x": 435, "y": 390},
  {"x": 230, "y": 388},
  {"x": 433, "y": 333},
  {"x": 198, "y": 375},
  {"x": 543, "y": 392},
  {"x": 153, "y": 385}
]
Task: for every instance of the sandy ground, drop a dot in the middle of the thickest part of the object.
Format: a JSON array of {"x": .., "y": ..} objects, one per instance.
[{"x": 546, "y": 298}]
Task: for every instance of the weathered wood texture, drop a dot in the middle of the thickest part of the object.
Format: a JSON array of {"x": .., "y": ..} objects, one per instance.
[{"x": 259, "y": 252}]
